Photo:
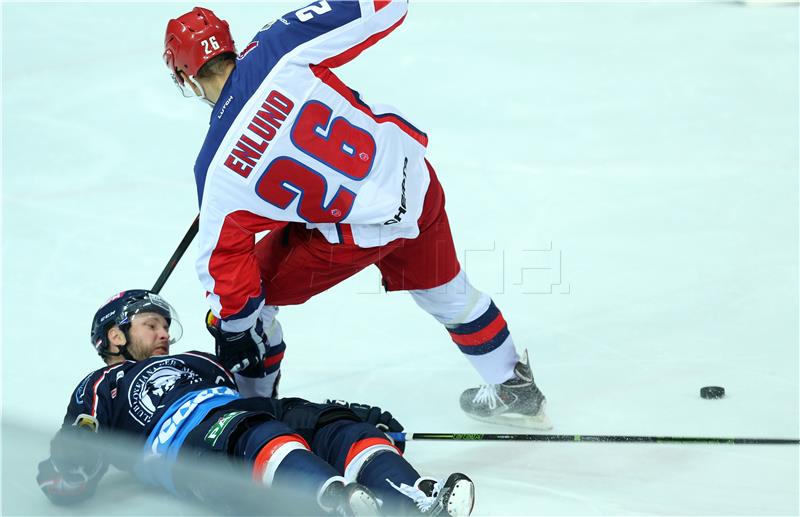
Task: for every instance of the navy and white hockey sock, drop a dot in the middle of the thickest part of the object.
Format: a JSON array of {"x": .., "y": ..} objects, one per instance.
[
  {"x": 475, "y": 324},
  {"x": 487, "y": 343}
]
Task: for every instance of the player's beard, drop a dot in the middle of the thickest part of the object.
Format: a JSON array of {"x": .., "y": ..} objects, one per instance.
[{"x": 141, "y": 352}]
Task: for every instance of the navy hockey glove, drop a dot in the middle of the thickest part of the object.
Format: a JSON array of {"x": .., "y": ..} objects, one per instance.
[
  {"x": 374, "y": 415},
  {"x": 239, "y": 352},
  {"x": 75, "y": 466}
]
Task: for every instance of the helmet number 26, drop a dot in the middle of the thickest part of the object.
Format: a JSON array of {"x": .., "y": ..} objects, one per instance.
[{"x": 210, "y": 45}]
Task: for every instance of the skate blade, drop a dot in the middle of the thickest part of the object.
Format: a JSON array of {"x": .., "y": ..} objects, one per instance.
[
  {"x": 540, "y": 422},
  {"x": 461, "y": 499}
]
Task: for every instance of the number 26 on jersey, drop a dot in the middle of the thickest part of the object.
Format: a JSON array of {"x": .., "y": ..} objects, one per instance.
[{"x": 342, "y": 147}]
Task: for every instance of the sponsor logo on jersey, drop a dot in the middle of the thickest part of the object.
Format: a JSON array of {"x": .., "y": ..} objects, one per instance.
[
  {"x": 401, "y": 210},
  {"x": 270, "y": 24},
  {"x": 252, "y": 143},
  {"x": 247, "y": 49},
  {"x": 173, "y": 423},
  {"x": 224, "y": 106},
  {"x": 152, "y": 384},
  {"x": 215, "y": 432}
]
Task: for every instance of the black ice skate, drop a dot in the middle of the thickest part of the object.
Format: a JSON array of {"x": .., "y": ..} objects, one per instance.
[
  {"x": 351, "y": 499},
  {"x": 453, "y": 497},
  {"x": 516, "y": 402}
]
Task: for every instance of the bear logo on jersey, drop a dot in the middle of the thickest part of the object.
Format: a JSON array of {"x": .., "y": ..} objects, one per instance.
[{"x": 153, "y": 383}]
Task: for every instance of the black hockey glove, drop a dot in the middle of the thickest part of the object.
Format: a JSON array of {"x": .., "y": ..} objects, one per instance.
[
  {"x": 75, "y": 466},
  {"x": 374, "y": 415},
  {"x": 239, "y": 352}
]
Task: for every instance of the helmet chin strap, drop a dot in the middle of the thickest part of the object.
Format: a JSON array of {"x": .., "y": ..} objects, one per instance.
[
  {"x": 123, "y": 351},
  {"x": 202, "y": 95},
  {"x": 189, "y": 92}
]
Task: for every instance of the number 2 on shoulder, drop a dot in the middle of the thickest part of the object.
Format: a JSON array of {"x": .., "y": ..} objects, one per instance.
[{"x": 308, "y": 13}]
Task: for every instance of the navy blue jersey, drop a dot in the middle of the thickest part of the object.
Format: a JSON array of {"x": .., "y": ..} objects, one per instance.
[{"x": 132, "y": 397}]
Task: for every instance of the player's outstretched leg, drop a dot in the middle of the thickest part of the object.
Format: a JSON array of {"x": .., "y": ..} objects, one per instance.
[
  {"x": 282, "y": 461},
  {"x": 477, "y": 327},
  {"x": 364, "y": 455}
]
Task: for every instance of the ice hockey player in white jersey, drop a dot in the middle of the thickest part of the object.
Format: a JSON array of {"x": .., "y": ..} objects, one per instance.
[{"x": 342, "y": 184}]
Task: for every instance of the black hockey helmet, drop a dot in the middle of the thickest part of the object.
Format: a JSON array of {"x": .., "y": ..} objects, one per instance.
[{"x": 120, "y": 310}]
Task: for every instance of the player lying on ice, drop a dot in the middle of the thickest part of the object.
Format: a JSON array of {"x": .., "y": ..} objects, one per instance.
[
  {"x": 343, "y": 183},
  {"x": 186, "y": 407}
]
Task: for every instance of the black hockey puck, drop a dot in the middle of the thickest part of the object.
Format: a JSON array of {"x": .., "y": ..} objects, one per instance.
[{"x": 712, "y": 392}]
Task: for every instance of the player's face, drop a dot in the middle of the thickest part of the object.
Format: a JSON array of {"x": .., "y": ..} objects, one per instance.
[{"x": 149, "y": 336}]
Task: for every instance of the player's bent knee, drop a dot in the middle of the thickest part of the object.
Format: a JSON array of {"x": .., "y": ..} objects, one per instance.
[
  {"x": 267, "y": 446},
  {"x": 455, "y": 302},
  {"x": 348, "y": 444},
  {"x": 364, "y": 450}
]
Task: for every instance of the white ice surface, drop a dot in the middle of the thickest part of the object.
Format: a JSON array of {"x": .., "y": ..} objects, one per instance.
[{"x": 621, "y": 178}]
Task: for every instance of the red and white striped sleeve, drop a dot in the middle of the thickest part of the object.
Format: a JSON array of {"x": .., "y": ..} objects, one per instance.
[
  {"x": 349, "y": 28},
  {"x": 227, "y": 266}
]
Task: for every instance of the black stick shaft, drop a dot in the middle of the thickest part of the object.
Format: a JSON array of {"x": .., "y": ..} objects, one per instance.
[
  {"x": 173, "y": 260},
  {"x": 589, "y": 438}
]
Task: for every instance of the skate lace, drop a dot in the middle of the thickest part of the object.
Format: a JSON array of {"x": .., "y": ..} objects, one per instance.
[
  {"x": 487, "y": 394},
  {"x": 424, "y": 503}
]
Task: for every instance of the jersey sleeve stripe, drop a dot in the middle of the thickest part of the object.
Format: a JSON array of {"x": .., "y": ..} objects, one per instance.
[
  {"x": 354, "y": 51},
  {"x": 95, "y": 396}
]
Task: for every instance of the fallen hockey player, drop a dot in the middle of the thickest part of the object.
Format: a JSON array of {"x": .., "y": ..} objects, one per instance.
[{"x": 186, "y": 407}]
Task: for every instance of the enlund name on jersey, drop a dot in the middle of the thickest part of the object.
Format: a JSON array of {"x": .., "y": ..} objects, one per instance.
[{"x": 290, "y": 142}]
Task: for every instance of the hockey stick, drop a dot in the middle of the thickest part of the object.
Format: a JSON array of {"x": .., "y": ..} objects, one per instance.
[
  {"x": 173, "y": 260},
  {"x": 588, "y": 438}
]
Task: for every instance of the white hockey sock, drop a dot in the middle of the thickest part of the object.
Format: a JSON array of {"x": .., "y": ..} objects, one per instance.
[{"x": 475, "y": 324}]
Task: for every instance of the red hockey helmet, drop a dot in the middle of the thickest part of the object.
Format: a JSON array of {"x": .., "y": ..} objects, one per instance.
[{"x": 193, "y": 39}]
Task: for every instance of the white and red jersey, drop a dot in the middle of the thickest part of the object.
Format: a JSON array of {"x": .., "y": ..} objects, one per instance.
[{"x": 288, "y": 141}]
